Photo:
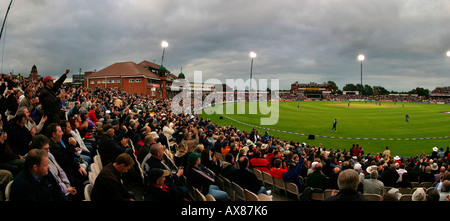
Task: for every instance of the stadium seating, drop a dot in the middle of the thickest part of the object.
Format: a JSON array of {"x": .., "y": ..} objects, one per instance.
[
  {"x": 373, "y": 197},
  {"x": 406, "y": 197},
  {"x": 426, "y": 184},
  {"x": 293, "y": 189},
  {"x": 238, "y": 191},
  {"x": 268, "y": 179},
  {"x": 279, "y": 185},
  {"x": 404, "y": 190},
  {"x": 198, "y": 195},
  {"x": 88, "y": 191},
  {"x": 8, "y": 190},
  {"x": 210, "y": 197}
]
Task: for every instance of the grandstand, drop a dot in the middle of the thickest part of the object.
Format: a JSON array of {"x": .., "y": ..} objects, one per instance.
[
  {"x": 311, "y": 90},
  {"x": 440, "y": 94}
]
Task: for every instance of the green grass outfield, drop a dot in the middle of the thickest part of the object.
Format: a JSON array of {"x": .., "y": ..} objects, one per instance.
[{"x": 372, "y": 126}]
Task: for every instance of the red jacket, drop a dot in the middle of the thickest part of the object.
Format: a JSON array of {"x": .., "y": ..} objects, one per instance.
[
  {"x": 92, "y": 116},
  {"x": 278, "y": 173},
  {"x": 260, "y": 164}
]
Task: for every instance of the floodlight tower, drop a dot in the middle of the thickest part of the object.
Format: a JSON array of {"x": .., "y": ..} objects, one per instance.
[
  {"x": 252, "y": 55},
  {"x": 361, "y": 59},
  {"x": 164, "y": 45}
]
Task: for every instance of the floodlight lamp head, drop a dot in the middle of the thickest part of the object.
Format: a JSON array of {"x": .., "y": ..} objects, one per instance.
[
  {"x": 164, "y": 44},
  {"x": 361, "y": 57},
  {"x": 252, "y": 54}
]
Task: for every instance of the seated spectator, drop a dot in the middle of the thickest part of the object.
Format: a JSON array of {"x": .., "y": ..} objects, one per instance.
[
  {"x": 202, "y": 180},
  {"x": 426, "y": 175},
  {"x": 293, "y": 173},
  {"x": 87, "y": 148},
  {"x": 70, "y": 142},
  {"x": 317, "y": 179},
  {"x": 348, "y": 181},
  {"x": 419, "y": 195},
  {"x": 332, "y": 179},
  {"x": 248, "y": 180},
  {"x": 5, "y": 178},
  {"x": 157, "y": 188},
  {"x": 278, "y": 169},
  {"x": 259, "y": 163},
  {"x": 109, "y": 185},
  {"x": 92, "y": 113},
  {"x": 433, "y": 196},
  {"x": 10, "y": 158},
  {"x": 445, "y": 191},
  {"x": 18, "y": 135},
  {"x": 209, "y": 160},
  {"x": 191, "y": 140},
  {"x": 42, "y": 142},
  {"x": 34, "y": 183},
  {"x": 30, "y": 124},
  {"x": 373, "y": 185},
  {"x": 155, "y": 159},
  {"x": 108, "y": 148},
  {"x": 144, "y": 150},
  {"x": 65, "y": 156},
  {"x": 229, "y": 169},
  {"x": 390, "y": 176}
]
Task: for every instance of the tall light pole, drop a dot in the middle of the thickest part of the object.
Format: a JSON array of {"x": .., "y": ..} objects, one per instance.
[
  {"x": 252, "y": 55},
  {"x": 164, "y": 45},
  {"x": 361, "y": 59}
]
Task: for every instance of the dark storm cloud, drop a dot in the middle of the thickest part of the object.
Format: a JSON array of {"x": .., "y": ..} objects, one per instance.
[{"x": 307, "y": 41}]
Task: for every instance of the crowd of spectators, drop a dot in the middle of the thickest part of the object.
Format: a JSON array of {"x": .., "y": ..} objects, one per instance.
[{"x": 48, "y": 143}]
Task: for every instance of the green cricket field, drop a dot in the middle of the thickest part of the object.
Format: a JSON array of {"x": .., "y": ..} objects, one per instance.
[{"x": 372, "y": 125}]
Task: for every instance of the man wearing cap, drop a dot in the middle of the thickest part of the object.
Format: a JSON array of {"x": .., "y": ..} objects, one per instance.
[
  {"x": 159, "y": 190},
  {"x": 51, "y": 103}
]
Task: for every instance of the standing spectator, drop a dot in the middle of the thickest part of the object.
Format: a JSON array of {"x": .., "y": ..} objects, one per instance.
[
  {"x": 51, "y": 103},
  {"x": 109, "y": 185}
]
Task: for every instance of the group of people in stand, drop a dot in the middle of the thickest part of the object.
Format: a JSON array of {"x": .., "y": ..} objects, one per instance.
[{"x": 51, "y": 133}]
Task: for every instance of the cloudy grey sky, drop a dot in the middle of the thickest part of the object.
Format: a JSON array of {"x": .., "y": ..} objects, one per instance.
[{"x": 404, "y": 41}]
